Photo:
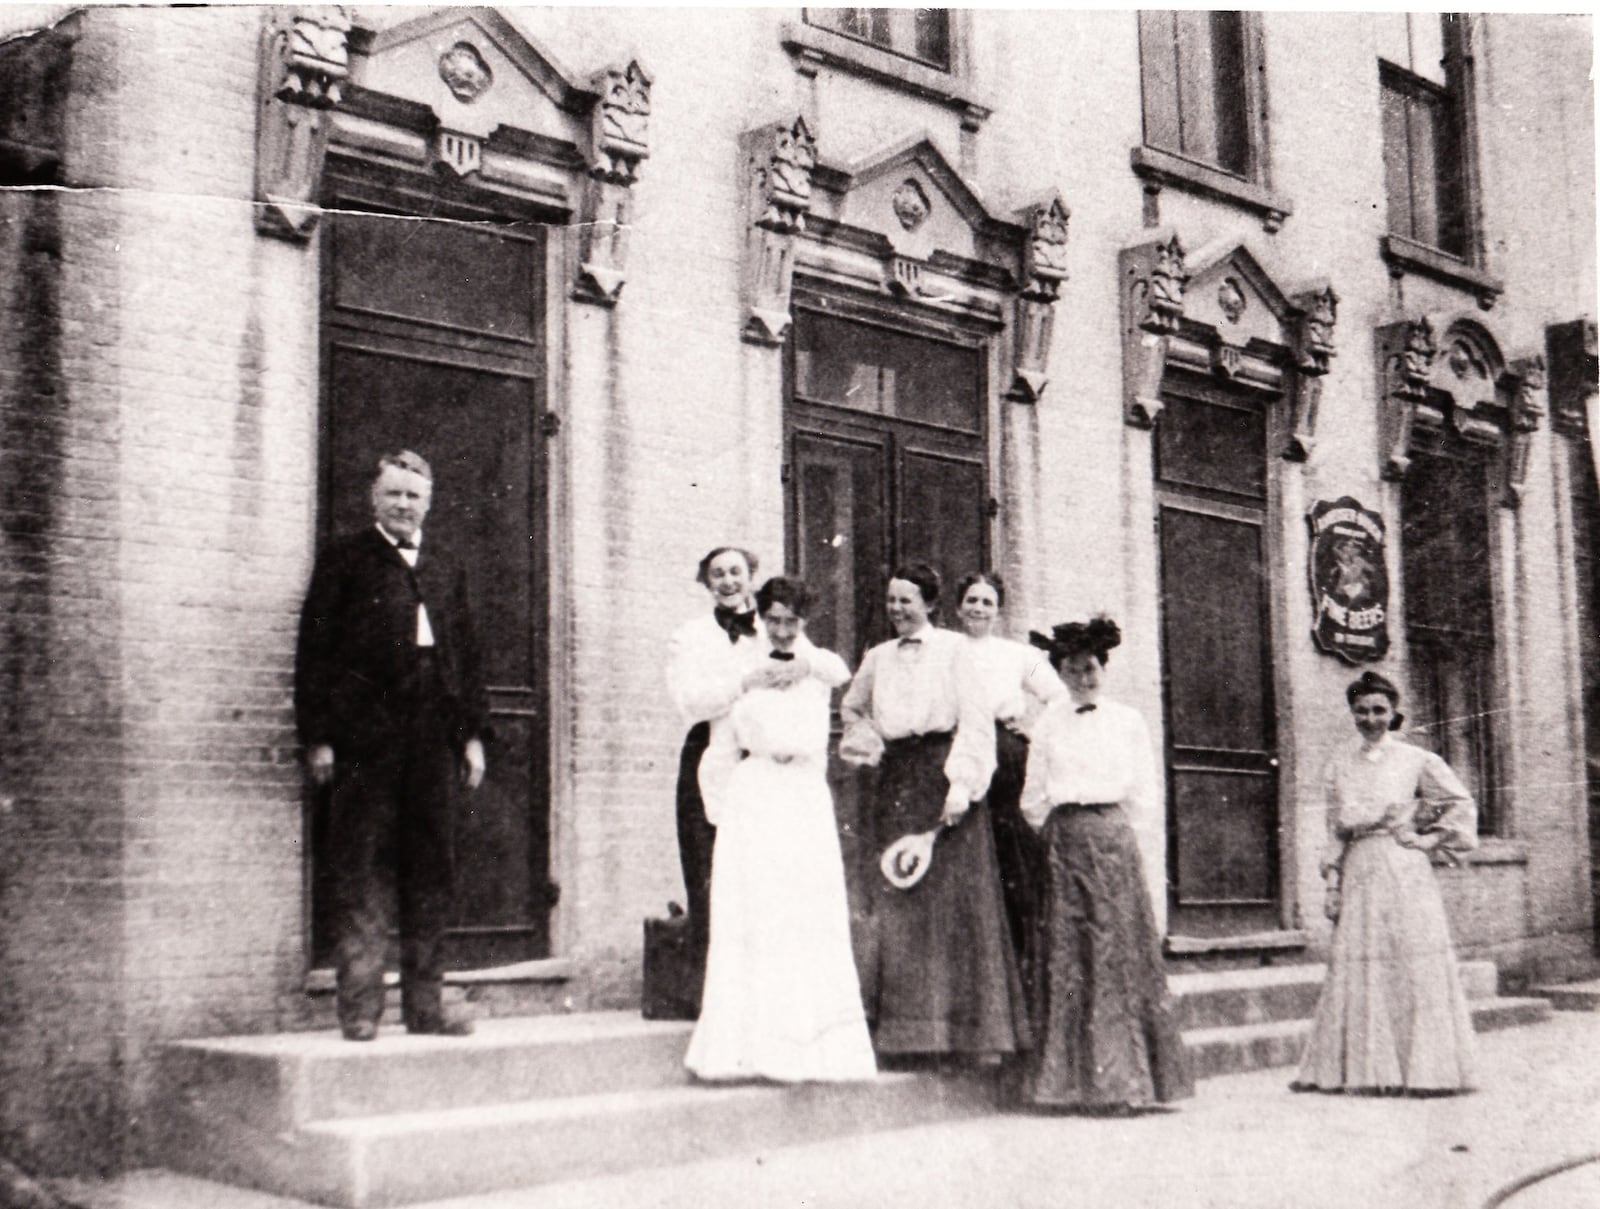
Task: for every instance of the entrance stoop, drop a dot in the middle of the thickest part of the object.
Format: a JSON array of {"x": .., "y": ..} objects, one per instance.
[{"x": 533, "y": 1100}]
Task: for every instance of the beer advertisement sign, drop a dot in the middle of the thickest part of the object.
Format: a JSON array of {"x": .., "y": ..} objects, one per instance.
[{"x": 1349, "y": 581}]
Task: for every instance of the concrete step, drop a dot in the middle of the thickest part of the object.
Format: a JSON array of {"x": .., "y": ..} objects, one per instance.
[
  {"x": 402, "y": 1158},
  {"x": 1572, "y": 996}
]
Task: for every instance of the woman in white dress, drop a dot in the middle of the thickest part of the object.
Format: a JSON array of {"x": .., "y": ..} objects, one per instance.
[
  {"x": 1016, "y": 679},
  {"x": 1393, "y": 1016},
  {"x": 782, "y": 1000}
]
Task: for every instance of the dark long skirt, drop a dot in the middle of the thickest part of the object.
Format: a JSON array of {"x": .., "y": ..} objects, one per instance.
[
  {"x": 1016, "y": 847},
  {"x": 696, "y": 840},
  {"x": 1107, "y": 1035},
  {"x": 945, "y": 977}
]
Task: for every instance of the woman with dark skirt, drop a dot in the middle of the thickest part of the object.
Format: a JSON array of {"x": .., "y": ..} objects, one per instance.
[
  {"x": 943, "y": 977},
  {"x": 1107, "y": 1038},
  {"x": 1016, "y": 679},
  {"x": 710, "y": 662}
]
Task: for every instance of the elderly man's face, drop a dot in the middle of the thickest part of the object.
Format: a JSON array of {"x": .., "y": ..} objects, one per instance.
[{"x": 400, "y": 500}]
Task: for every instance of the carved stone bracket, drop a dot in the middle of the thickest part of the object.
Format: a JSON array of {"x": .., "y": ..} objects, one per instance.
[
  {"x": 1527, "y": 413},
  {"x": 779, "y": 159},
  {"x": 1408, "y": 351},
  {"x": 1153, "y": 279},
  {"x": 1313, "y": 350},
  {"x": 619, "y": 142},
  {"x": 304, "y": 64},
  {"x": 1044, "y": 268},
  {"x": 1574, "y": 375}
]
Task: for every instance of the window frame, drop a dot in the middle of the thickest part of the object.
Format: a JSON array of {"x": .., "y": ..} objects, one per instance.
[
  {"x": 949, "y": 57},
  {"x": 1159, "y": 166},
  {"x": 1402, "y": 251}
]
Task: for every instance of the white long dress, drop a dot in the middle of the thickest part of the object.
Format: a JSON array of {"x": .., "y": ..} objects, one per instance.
[{"x": 782, "y": 1000}]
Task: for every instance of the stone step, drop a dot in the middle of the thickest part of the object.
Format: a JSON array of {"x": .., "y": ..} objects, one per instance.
[
  {"x": 1233, "y": 1049},
  {"x": 1572, "y": 996},
  {"x": 403, "y": 1158}
]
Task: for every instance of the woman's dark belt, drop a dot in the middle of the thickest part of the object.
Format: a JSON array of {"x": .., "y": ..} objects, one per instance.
[
  {"x": 926, "y": 738},
  {"x": 1086, "y": 805}
]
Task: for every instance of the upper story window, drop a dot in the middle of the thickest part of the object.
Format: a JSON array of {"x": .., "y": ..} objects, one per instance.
[
  {"x": 1201, "y": 76},
  {"x": 1422, "y": 144},
  {"x": 1430, "y": 150},
  {"x": 922, "y": 34}
]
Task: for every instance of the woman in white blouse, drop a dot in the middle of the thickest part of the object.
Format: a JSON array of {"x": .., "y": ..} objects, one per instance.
[
  {"x": 943, "y": 977},
  {"x": 1393, "y": 1016},
  {"x": 710, "y": 661},
  {"x": 1107, "y": 1037},
  {"x": 1016, "y": 679}
]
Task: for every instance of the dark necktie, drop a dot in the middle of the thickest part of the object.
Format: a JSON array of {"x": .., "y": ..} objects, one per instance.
[
  {"x": 911, "y": 642},
  {"x": 404, "y": 543},
  {"x": 1084, "y": 709},
  {"x": 735, "y": 623},
  {"x": 785, "y": 656}
]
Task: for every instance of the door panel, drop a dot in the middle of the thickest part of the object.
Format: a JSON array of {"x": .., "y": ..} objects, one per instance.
[
  {"x": 396, "y": 376},
  {"x": 841, "y": 506},
  {"x": 942, "y": 518}
]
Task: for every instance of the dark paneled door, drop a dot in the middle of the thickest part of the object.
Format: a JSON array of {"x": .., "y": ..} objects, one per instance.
[
  {"x": 431, "y": 341},
  {"x": 887, "y": 464},
  {"x": 1222, "y": 765}
]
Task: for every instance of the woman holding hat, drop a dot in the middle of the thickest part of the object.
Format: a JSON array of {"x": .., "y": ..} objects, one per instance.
[
  {"x": 782, "y": 1000},
  {"x": 1107, "y": 1037},
  {"x": 1016, "y": 680},
  {"x": 1393, "y": 1016},
  {"x": 943, "y": 977}
]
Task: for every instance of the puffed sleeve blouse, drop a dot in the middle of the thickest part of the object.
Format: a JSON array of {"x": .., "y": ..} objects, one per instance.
[
  {"x": 1101, "y": 755},
  {"x": 1392, "y": 786},
  {"x": 705, "y": 672},
  {"x": 925, "y": 686},
  {"x": 1011, "y": 673}
]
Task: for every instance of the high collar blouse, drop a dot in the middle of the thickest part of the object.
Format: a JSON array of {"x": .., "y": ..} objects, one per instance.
[
  {"x": 1011, "y": 673},
  {"x": 1393, "y": 785},
  {"x": 705, "y": 672},
  {"x": 924, "y": 684},
  {"x": 1102, "y": 755}
]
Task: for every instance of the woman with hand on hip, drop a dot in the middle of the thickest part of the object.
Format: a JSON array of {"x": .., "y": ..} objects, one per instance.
[
  {"x": 1015, "y": 677},
  {"x": 1107, "y": 1037},
  {"x": 782, "y": 1000},
  {"x": 1393, "y": 1016},
  {"x": 944, "y": 977},
  {"x": 708, "y": 662}
]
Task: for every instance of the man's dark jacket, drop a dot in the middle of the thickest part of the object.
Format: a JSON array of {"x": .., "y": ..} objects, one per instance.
[{"x": 357, "y": 645}]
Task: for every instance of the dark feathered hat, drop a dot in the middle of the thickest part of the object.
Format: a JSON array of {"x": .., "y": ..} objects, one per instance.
[{"x": 1097, "y": 637}]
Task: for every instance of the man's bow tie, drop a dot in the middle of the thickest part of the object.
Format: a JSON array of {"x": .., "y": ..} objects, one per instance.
[
  {"x": 1084, "y": 709},
  {"x": 785, "y": 656},
  {"x": 404, "y": 543},
  {"x": 735, "y": 622},
  {"x": 911, "y": 642}
]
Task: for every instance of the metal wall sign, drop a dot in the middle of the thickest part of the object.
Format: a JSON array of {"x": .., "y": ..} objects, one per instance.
[{"x": 1349, "y": 581}]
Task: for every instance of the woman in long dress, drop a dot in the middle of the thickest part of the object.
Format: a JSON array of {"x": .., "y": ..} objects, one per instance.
[
  {"x": 782, "y": 1000},
  {"x": 1107, "y": 1037},
  {"x": 708, "y": 660},
  {"x": 1393, "y": 1016},
  {"x": 1016, "y": 679},
  {"x": 942, "y": 978}
]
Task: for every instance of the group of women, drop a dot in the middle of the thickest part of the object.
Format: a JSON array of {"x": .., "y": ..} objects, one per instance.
[{"x": 1012, "y": 925}]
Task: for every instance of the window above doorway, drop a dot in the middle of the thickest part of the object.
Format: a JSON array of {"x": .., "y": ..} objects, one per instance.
[
  {"x": 1204, "y": 109},
  {"x": 1430, "y": 151},
  {"x": 920, "y": 34}
]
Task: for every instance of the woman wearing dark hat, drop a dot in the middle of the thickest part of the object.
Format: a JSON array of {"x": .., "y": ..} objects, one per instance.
[
  {"x": 1016, "y": 679},
  {"x": 1393, "y": 1016},
  {"x": 1107, "y": 1037},
  {"x": 943, "y": 975}
]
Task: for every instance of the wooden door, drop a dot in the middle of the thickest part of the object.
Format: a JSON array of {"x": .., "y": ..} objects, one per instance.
[
  {"x": 431, "y": 341},
  {"x": 1217, "y": 673}
]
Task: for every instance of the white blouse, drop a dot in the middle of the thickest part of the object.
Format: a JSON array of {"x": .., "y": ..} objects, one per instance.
[
  {"x": 1011, "y": 672},
  {"x": 1102, "y": 755},
  {"x": 922, "y": 684},
  {"x": 705, "y": 671},
  {"x": 1394, "y": 785}
]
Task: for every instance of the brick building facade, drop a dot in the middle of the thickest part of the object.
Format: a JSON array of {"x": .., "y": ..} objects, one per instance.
[{"x": 1108, "y": 301}]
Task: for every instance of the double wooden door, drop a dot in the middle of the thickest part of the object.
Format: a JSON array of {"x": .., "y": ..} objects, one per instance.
[{"x": 432, "y": 341}]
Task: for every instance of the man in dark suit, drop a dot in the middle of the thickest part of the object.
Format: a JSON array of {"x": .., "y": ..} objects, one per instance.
[{"x": 391, "y": 707}]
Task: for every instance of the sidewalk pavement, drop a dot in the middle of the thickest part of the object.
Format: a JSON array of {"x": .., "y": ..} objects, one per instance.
[{"x": 1244, "y": 1142}]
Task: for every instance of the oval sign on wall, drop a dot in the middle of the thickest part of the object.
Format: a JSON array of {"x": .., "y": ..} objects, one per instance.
[{"x": 1349, "y": 581}]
